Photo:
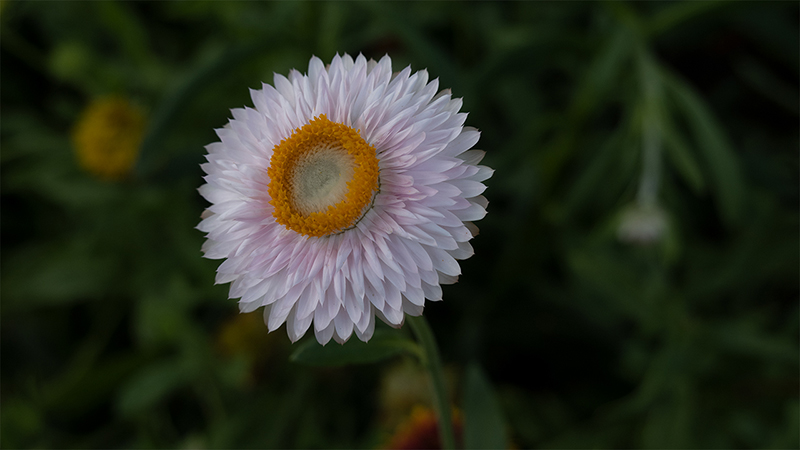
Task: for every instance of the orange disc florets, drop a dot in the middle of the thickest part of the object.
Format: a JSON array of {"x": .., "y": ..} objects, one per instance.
[{"x": 322, "y": 178}]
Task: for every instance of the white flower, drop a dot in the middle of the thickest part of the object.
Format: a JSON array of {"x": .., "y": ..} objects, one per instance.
[{"x": 345, "y": 194}]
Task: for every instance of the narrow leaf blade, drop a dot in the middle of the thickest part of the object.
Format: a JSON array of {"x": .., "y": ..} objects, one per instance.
[
  {"x": 484, "y": 425},
  {"x": 713, "y": 144}
]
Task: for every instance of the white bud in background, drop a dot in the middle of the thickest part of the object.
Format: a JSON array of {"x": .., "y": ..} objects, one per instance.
[{"x": 642, "y": 224}]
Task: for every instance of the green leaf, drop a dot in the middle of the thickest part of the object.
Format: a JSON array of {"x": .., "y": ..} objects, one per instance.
[
  {"x": 383, "y": 345},
  {"x": 680, "y": 154},
  {"x": 599, "y": 81},
  {"x": 603, "y": 74},
  {"x": 602, "y": 162},
  {"x": 729, "y": 184},
  {"x": 150, "y": 385},
  {"x": 484, "y": 425},
  {"x": 766, "y": 83},
  {"x": 747, "y": 337},
  {"x": 678, "y": 13}
]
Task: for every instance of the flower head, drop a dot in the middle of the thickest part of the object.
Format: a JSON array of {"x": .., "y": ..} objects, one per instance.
[
  {"x": 107, "y": 137},
  {"x": 347, "y": 193}
]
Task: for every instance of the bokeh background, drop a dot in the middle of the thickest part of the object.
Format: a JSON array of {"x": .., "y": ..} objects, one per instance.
[{"x": 635, "y": 282}]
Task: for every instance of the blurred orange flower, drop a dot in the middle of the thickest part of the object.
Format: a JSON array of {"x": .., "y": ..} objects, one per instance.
[{"x": 421, "y": 430}]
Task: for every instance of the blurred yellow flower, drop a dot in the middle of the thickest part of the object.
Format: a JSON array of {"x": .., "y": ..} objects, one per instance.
[{"x": 107, "y": 137}]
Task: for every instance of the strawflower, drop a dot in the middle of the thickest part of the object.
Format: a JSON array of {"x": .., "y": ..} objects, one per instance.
[{"x": 345, "y": 194}]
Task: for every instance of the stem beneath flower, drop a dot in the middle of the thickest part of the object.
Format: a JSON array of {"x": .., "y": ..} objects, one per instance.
[{"x": 433, "y": 363}]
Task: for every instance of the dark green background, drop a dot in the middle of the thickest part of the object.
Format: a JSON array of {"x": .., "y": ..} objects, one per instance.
[{"x": 111, "y": 321}]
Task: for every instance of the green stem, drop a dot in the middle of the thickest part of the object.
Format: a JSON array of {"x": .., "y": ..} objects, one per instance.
[
  {"x": 433, "y": 363},
  {"x": 651, "y": 129}
]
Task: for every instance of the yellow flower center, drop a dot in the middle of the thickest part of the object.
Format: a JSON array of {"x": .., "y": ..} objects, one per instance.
[{"x": 323, "y": 178}]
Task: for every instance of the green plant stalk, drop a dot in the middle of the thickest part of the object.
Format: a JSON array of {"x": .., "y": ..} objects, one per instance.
[
  {"x": 652, "y": 118},
  {"x": 433, "y": 364}
]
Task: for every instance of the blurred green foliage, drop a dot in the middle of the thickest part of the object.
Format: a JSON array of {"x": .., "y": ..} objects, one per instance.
[{"x": 681, "y": 332}]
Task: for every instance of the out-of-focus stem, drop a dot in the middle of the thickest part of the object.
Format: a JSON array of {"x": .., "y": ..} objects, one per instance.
[
  {"x": 433, "y": 364},
  {"x": 647, "y": 195}
]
